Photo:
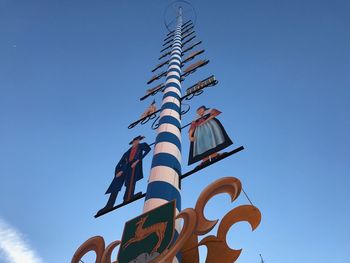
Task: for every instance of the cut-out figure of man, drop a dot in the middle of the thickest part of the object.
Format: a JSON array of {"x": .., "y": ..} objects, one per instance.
[{"x": 128, "y": 171}]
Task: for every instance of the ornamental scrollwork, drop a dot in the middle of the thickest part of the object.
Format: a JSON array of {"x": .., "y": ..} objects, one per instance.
[
  {"x": 96, "y": 244},
  {"x": 195, "y": 224}
]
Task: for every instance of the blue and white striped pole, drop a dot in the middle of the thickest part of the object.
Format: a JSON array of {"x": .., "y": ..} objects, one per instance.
[{"x": 163, "y": 184}]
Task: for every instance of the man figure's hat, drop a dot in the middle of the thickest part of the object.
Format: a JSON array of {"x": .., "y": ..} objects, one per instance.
[
  {"x": 202, "y": 107},
  {"x": 140, "y": 137}
]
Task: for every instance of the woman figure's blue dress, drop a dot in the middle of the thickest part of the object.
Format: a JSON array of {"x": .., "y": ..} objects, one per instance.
[{"x": 209, "y": 135}]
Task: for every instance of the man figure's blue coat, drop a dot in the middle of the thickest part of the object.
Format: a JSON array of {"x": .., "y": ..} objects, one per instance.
[{"x": 124, "y": 165}]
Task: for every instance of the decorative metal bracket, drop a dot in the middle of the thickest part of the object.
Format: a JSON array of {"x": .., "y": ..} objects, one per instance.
[
  {"x": 184, "y": 109},
  {"x": 191, "y": 47},
  {"x": 156, "y": 77},
  {"x": 194, "y": 94},
  {"x": 184, "y": 25},
  {"x": 187, "y": 35},
  {"x": 192, "y": 56},
  {"x": 191, "y": 92},
  {"x": 169, "y": 46},
  {"x": 194, "y": 90},
  {"x": 171, "y": 33},
  {"x": 155, "y": 124},
  {"x": 144, "y": 120},
  {"x": 160, "y": 65},
  {"x": 183, "y": 44},
  {"x": 135, "y": 198},
  {"x": 168, "y": 37},
  {"x": 187, "y": 30},
  {"x": 164, "y": 55},
  {"x": 223, "y": 156},
  {"x": 198, "y": 89},
  {"x": 153, "y": 91},
  {"x": 187, "y": 24},
  {"x": 188, "y": 40},
  {"x": 166, "y": 43}
]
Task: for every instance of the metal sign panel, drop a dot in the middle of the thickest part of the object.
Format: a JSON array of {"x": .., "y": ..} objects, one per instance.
[
  {"x": 192, "y": 68},
  {"x": 155, "y": 77},
  {"x": 187, "y": 35},
  {"x": 192, "y": 56},
  {"x": 191, "y": 47},
  {"x": 148, "y": 235},
  {"x": 188, "y": 40},
  {"x": 202, "y": 84}
]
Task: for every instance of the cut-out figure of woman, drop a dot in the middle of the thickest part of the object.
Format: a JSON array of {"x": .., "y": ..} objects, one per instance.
[{"x": 207, "y": 136}]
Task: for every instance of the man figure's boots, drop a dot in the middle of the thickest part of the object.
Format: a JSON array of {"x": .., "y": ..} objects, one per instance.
[{"x": 110, "y": 203}]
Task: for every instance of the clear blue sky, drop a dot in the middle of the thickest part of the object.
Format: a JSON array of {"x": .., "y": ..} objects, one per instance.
[{"x": 71, "y": 73}]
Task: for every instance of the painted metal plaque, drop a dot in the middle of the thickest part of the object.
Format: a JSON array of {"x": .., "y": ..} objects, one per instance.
[
  {"x": 191, "y": 47},
  {"x": 187, "y": 30},
  {"x": 156, "y": 89},
  {"x": 155, "y": 77},
  {"x": 164, "y": 55},
  {"x": 193, "y": 55},
  {"x": 201, "y": 85},
  {"x": 192, "y": 68},
  {"x": 148, "y": 235},
  {"x": 187, "y": 35},
  {"x": 188, "y": 40}
]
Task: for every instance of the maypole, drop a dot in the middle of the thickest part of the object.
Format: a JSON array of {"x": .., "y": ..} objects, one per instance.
[
  {"x": 163, "y": 184},
  {"x": 157, "y": 235}
]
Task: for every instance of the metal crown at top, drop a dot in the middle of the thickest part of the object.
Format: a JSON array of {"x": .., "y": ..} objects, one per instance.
[{"x": 171, "y": 12}]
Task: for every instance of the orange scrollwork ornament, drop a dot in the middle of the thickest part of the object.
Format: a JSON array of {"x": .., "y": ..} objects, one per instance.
[
  {"x": 218, "y": 250},
  {"x": 96, "y": 244},
  {"x": 195, "y": 224}
]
